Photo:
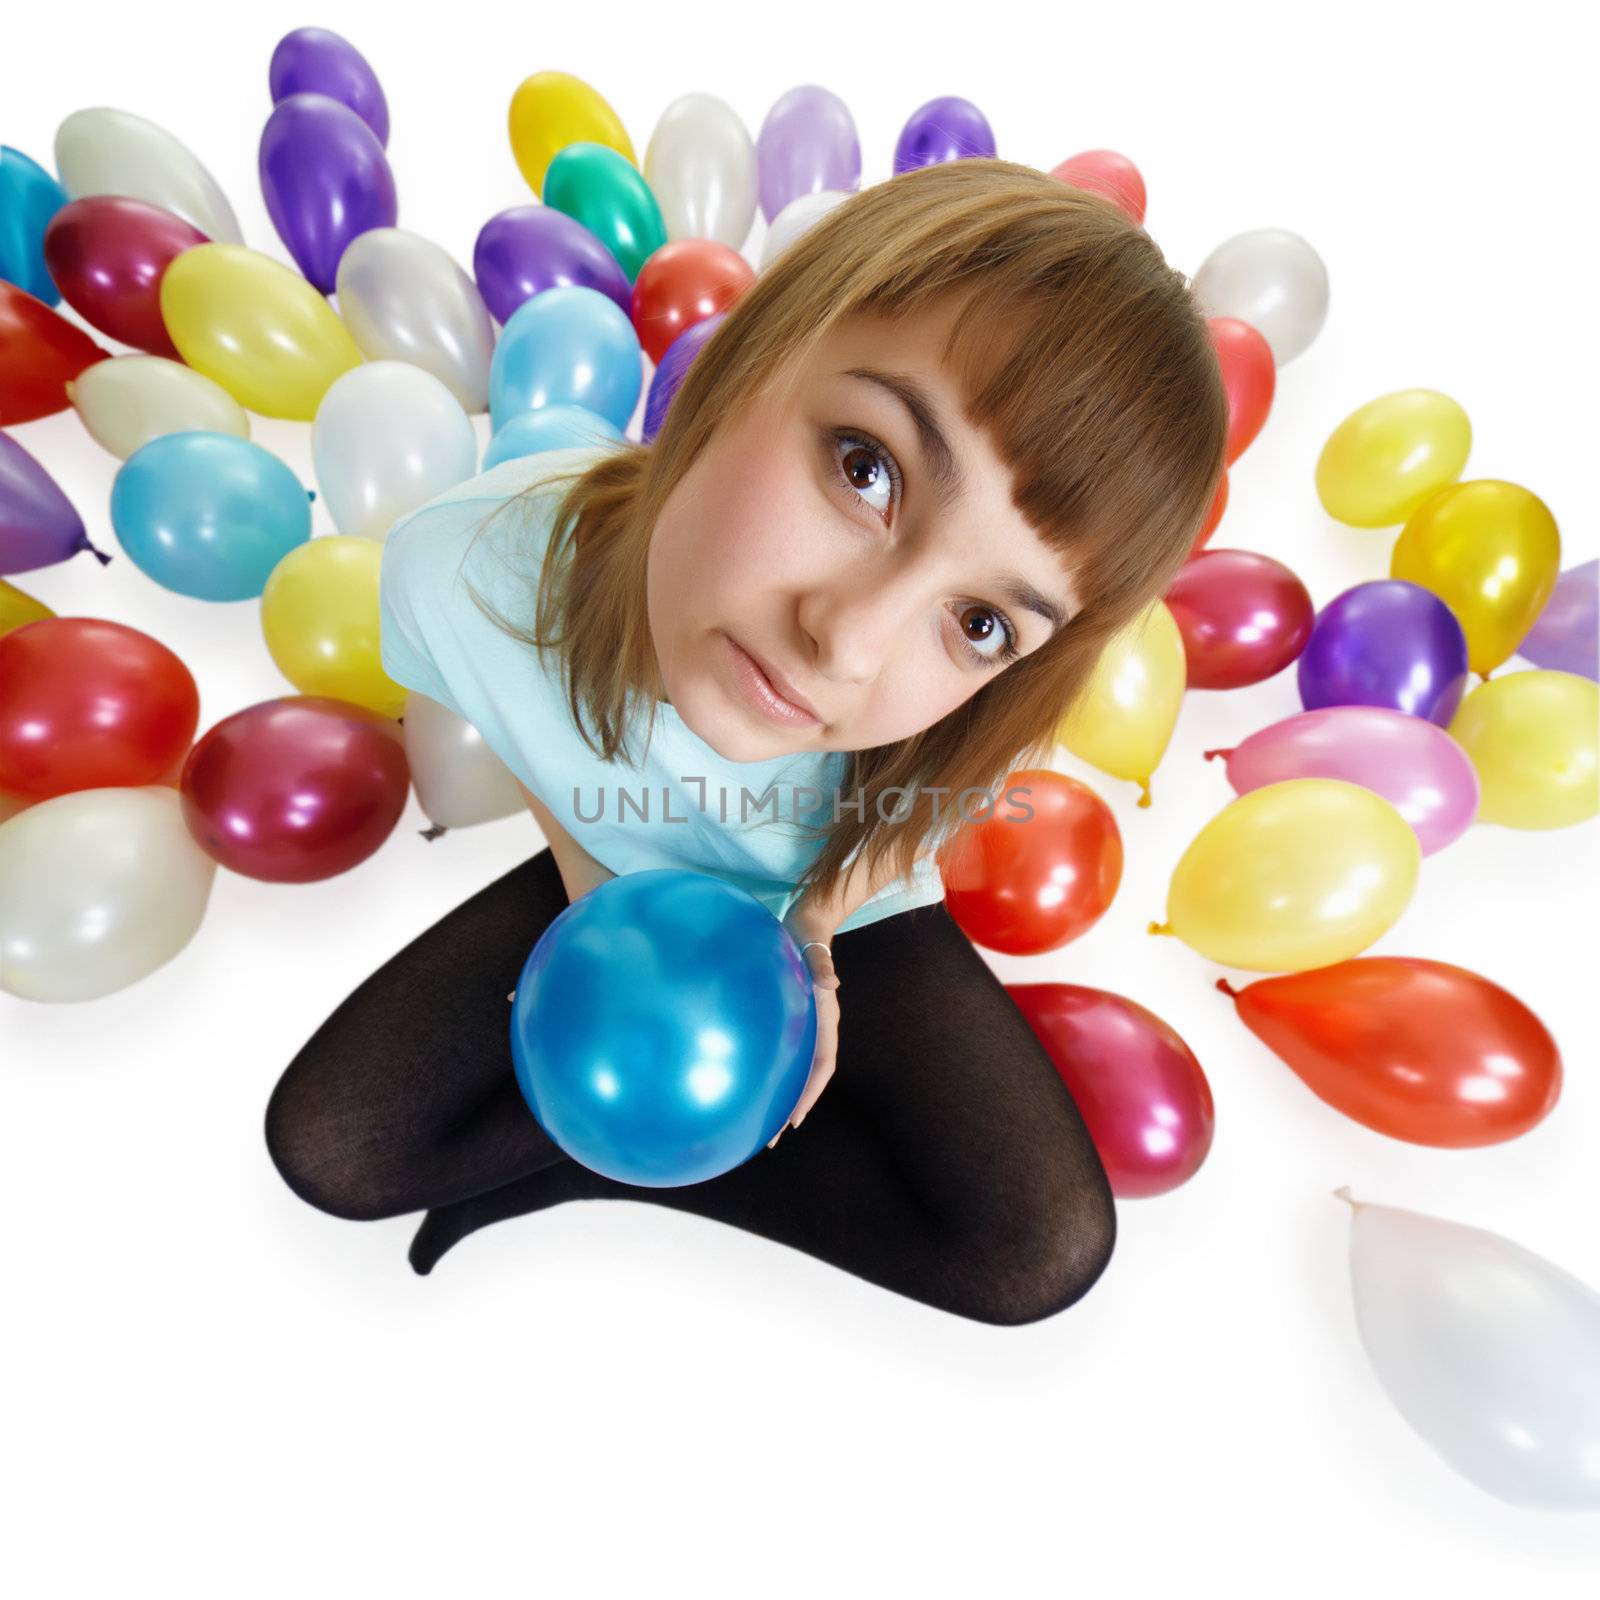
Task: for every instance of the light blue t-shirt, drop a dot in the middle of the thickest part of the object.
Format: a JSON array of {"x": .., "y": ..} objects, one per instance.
[{"x": 683, "y": 805}]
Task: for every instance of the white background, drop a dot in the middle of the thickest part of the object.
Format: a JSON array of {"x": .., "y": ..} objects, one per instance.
[{"x": 212, "y": 1389}]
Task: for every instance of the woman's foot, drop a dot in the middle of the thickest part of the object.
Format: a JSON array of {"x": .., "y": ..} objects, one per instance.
[{"x": 445, "y": 1226}]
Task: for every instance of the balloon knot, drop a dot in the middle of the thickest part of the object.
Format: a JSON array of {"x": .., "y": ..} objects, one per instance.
[
  {"x": 1158, "y": 927},
  {"x": 99, "y": 555},
  {"x": 311, "y": 494},
  {"x": 1144, "y": 791},
  {"x": 1227, "y": 988},
  {"x": 1343, "y": 1193},
  {"x": 1211, "y": 755},
  {"x": 430, "y": 834}
]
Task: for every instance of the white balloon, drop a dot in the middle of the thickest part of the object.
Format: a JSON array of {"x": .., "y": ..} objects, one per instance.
[
  {"x": 1273, "y": 280},
  {"x": 98, "y": 888},
  {"x": 795, "y": 219},
  {"x": 701, "y": 166},
  {"x": 387, "y": 438},
  {"x": 459, "y": 780},
  {"x": 129, "y": 400},
  {"x": 1489, "y": 1351},
  {"x": 404, "y": 298},
  {"x": 104, "y": 151}
]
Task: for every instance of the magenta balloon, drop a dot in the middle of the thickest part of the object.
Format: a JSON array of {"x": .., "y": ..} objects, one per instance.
[
  {"x": 1137, "y": 1085},
  {"x": 324, "y": 62},
  {"x": 525, "y": 250},
  {"x": 39, "y": 526},
  {"x": 297, "y": 789},
  {"x": 1413, "y": 763},
  {"x": 325, "y": 179},
  {"x": 807, "y": 143}
]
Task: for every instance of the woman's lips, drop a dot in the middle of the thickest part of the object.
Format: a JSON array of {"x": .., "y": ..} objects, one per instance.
[{"x": 761, "y": 694}]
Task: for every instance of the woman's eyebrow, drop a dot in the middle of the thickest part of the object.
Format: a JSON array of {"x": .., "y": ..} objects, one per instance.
[{"x": 940, "y": 458}]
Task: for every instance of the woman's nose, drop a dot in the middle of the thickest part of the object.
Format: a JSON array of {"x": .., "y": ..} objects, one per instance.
[{"x": 857, "y": 625}]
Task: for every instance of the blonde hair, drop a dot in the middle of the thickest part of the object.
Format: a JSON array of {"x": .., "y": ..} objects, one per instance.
[{"x": 1079, "y": 350}]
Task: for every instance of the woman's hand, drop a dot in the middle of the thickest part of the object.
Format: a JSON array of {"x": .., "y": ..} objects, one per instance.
[{"x": 825, "y": 985}]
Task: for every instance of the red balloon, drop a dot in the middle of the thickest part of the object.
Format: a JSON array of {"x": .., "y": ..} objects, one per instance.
[
  {"x": 1141, "y": 1092},
  {"x": 107, "y": 254},
  {"x": 1249, "y": 374},
  {"x": 40, "y": 354},
  {"x": 1219, "y": 504},
  {"x": 1417, "y": 1049},
  {"x": 1243, "y": 617},
  {"x": 90, "y": 704},
  {"x": 1038, "y": 869},
  {"x": 1108, "y": 173},
  {"x": 296, "y": 790},
  {"x": 682, "y": 283}
]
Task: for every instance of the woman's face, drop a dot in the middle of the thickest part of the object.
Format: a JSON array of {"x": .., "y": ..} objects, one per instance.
[{"x": 857, "y": 557}]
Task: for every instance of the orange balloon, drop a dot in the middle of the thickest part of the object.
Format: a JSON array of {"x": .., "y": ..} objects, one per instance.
[
  {"x": 1417, "y": 1049},
  {"x": 682, "y": 283},
  {"x": 1108, "y": 173},
  {"x": 1035, "y": 870},
  {"x": 40, "y": 354},
  {"x": 1219, "y": 504},
  {"x": 1249, "y": 375}
]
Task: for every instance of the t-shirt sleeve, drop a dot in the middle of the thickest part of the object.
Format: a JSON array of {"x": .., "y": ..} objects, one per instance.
[{"x": 434, "y": 638}]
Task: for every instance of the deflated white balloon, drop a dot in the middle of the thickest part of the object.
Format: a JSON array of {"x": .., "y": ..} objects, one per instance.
[
  {"x": 129, "y": 400},
  {"x": 387, "y": 438},
  {"x": 98, "y": 888},
  {"x": 1490, "y": 1352},
  {"x": 104, "y": 151},
  {"x": 404, "y": 298},
  {"x": 701, "y": 166},
  {"x": 459, "y": 780},
  {"x": 1273, "y": 280},
  {"x": 795, "y": 218}
]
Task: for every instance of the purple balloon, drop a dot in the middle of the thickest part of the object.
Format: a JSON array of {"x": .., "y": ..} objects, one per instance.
[
  {"x": 321, "y": 61},
  {"x": 675, "y": 361},
  {"x": 808, "y": 143},
  {"x": 946, "y": 129},
  {"x": 1387, "y": 643},
  {"x": 1566, "y": 638},
  {"x": 326, "y": 179},
  {"x": 1414, "y": 764},
  {"x": 528, "y": 249},
  {"x": 38, "y": 524}
]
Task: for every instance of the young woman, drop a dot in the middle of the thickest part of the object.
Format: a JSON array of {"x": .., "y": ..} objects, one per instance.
[{"x": 951, "y": 440}]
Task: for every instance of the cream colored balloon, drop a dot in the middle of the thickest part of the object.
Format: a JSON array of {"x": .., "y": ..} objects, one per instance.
[
  {"x": 404, "y": 298},
  {"x": 98, "y": 888},
  {"x": 129, "y": 400},
  {"x": 104, "y": 151},
  {"x": 795, "y": 218},
  {"x": 1272, "y": 279},
  {"x": 701, "y": 165},
  {"x": 459, "y": 780}
]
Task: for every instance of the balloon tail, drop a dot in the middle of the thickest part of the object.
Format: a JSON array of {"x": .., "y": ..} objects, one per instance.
[
  {"x": 430, "y": 834},
  {"x": 1211, "y": 755},
  {"x": 69, "y": 392},
  {"x": 311, "y": 494},
  {"x": 1227, "y": 988},
  {"x": 1343, "y": 1193},
  {"x": 1158, "y": 927},
  {"x": 1144, "y": 791},
  {"x": 99, "y": 555}
]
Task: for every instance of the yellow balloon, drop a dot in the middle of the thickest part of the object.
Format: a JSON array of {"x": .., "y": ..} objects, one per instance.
[
  {"x": 1123, "y": 722},
  {"x": 551, "y": 110},
  {"x": 1294, "y": 875},
  {"x": 1491, "y": 551},
  {"x": 17, "y": 608},
  {"x": 260, "y": 330},
  {"x": 319, "y": 612},
  {"x": 1389, "y": 455},
  {"x": 1533, "y": 736}
]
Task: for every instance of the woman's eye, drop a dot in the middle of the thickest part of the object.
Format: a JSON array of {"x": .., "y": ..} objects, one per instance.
[
  {"x": 868, "y": 470},
  {"x": 987, "y": 635}
]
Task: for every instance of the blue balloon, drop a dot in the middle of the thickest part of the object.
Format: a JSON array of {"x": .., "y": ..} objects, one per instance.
[
  {"x": 663, "y": 1028},
  {"x": 29, "y": 198},
  {"x": 208, "y": 514},
  {"x": 676, "y": 360},
  {"x": 529, "y": 433},
  {"x": 570, "y": 345}
]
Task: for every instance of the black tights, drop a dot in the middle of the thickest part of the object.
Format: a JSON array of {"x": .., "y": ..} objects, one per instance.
[{"x": 945, "y": 1160}]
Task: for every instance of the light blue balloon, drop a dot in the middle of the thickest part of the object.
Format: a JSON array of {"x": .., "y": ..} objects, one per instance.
[
  {"x": 208, "y": 514},
  {"x": 529, "y": 433},
  {"x": 663, "y": 1028},
  {"x": 29, "y": 198},
  {"x": 570, "y": 345}
]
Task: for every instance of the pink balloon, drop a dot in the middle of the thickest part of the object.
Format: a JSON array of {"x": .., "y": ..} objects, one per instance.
[
  {"x": 1137, "y": 1085},
  {"x": 1413, "y": 763},
  {"x": 1243, "y": 616}
]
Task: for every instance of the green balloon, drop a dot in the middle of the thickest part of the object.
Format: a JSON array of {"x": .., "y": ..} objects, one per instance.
[{"x": 608, "y": 195}]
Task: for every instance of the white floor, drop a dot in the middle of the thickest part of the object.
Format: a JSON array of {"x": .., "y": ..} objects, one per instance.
[{"x": 211, "y": 1389}]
